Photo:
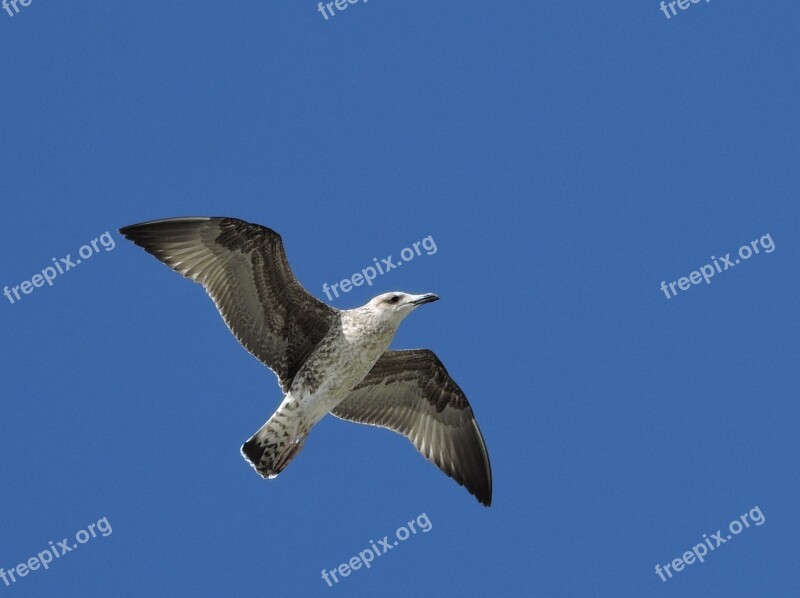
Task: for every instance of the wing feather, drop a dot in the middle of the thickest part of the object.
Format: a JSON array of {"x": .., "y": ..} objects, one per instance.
[
  {"x": 411, "y": 393},
  {"x": 243, "y": 268}
]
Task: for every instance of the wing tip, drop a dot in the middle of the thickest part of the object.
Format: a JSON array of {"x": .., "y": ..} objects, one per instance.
[
  {"x": 151, "y": 224},
  {"x": 482, "y": 491}
]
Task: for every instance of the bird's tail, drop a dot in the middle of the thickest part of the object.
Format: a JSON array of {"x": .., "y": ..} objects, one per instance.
[{"x": 277, "y": 442}]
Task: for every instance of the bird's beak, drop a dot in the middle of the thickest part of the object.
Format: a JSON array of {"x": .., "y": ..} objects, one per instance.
[{"x": 426, "y": 298}]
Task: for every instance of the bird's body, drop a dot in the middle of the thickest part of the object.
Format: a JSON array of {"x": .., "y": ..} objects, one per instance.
[
  {"x": 339, "y": 362},
  {"x": 327, "y": 360},
  {"x": 347, "y": 353}
]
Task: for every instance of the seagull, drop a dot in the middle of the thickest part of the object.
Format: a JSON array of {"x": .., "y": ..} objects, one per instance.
[{"x": 327, "y": 360}]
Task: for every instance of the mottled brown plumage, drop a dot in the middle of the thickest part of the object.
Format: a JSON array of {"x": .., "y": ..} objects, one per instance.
[{"x": 326, "y": 360}]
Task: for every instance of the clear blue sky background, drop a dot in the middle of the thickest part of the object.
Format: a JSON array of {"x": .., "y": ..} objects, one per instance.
[{"x": 565, "y": 157}]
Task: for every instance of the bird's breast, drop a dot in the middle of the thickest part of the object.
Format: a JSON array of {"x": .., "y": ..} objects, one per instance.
[{"x": 340, "y": 361}]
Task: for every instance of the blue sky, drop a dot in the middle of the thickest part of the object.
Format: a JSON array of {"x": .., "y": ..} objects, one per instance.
[{"x": 565, "y": 157}]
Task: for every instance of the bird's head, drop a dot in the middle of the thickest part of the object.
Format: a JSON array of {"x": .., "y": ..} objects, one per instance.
[{"x": 397, "y": 305}]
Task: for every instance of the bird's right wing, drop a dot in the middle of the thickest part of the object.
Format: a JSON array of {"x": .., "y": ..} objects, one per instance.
[
  {"x": 244, "y": 269},
  {"x": 410, "y": 392}
]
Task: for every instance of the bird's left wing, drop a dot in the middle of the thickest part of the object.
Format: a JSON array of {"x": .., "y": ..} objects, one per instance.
[
  {"x": 244, "y": 269},
  {"x": 411, "y": 393}
]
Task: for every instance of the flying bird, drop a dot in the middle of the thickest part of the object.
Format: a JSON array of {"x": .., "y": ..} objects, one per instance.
[{"x": 327, "y": 360}]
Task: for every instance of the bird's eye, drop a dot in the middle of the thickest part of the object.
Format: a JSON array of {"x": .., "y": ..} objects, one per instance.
[{"x": 394, "y": 299}]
